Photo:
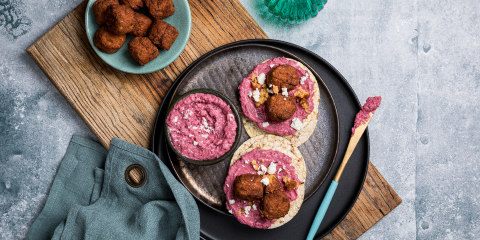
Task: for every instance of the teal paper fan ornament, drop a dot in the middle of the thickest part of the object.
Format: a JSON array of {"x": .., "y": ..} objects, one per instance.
[{"x": 295, "y": 11}]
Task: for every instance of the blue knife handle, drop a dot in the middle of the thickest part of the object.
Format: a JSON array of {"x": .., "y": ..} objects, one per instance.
[{"x": 322, "y": 210}]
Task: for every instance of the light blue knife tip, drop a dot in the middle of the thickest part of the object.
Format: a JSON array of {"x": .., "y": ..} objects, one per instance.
[{"x": 322, "y": 210}]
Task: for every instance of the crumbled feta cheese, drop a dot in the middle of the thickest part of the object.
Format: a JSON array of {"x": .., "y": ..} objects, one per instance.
[
  {"x": 272, "y": 168},
  {"x": 256, "y": 95},
  {"x": 247, "y": 209},
  {"x": 296, "y": 124},
  {"x": 190, "y": 135},
  {"x": 303, "y": 79},
  {"x": 284, "y": 99},
  {"x": 249, "y": 94},
  {"x": 279, "y": 170},
  {"x": 230, "y": 211},
  {"x": 254, "y": 207},
  {"x": 265, "y": 124},
  {"x": 195, "y": 143},
  {"x": 246, "y": 161},
  {"x": 175, "y": 119},
  {"x": 261, "y": 78},
  {"x": 272, "y": 65},
  {"x": 231, "y": 201},
  {"x": 230, "y": 117},
  {"x": 269, "y": 90},
  {"x": 262, "y": 170},
  {"x": 229, "y": 185},
  {"x": 265, "y": 181},
  {"x": 270, "y": 86},
  {"x": 284, "y": 91}
]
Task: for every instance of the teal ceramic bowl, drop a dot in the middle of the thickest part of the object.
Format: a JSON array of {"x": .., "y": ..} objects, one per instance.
[
  {"x": 122, "y": 60},
  {"x": 237, "y": 136}
]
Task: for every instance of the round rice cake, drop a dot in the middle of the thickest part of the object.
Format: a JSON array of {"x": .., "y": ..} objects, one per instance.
[
  {"x": 309, "y": 123},
  {"x": 276, "y": 143}
]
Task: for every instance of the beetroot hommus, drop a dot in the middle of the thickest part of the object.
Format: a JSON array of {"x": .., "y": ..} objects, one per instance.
[
  {"x": 370, "y": 106},
  {"x": 258, "y": 115},
  {"x": 202, "y": 126},
  {"x": 281, "y": 168}
]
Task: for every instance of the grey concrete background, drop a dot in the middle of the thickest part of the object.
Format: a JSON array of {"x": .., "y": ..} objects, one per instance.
[{"x": 420, "y": 55}]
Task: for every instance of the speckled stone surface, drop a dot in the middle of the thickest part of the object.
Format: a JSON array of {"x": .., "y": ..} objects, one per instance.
[{"x": 420, "y": 55}]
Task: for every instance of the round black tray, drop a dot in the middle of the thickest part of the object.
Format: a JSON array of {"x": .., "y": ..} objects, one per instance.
[{"x": 218, "y": 226}]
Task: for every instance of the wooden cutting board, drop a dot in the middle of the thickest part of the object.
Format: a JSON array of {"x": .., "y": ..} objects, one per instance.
[{"x": 117, "y": 104}]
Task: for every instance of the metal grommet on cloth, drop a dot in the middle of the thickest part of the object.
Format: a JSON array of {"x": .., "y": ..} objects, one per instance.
[{"x": 135, "y": 175}]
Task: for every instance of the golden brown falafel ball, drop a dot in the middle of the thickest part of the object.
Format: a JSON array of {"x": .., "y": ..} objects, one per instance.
[
  {"x": 134, "y": 4},
  {"x": 142, "y": 24},
  {"x": 99, "y": 7},
  {"x": 248, "y": 187},
  {"x": 273, "y": 184},
  {"x": 120, "y": 19},
  {"x": 142, "y": 50},
  {"x": 160, "y": 9},
  {"x": 108, "y": 42},
  {"x": 275, "y": 204},
  {"x": 162, "y": 34},
  {"x": 280, "y": 108},
  {"x": 284, "y": 76},
  {"x": 290, "y": 184}
]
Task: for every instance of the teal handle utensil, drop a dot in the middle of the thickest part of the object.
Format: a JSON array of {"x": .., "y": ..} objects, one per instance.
[
  {"x": 358, "y": 131},
  {"x": 322, "y": 210}
]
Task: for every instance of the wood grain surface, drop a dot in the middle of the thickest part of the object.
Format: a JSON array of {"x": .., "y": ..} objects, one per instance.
[{"x": 117, "y": 104}]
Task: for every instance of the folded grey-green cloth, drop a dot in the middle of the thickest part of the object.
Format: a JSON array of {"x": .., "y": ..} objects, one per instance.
[{"x": 91, "y": 199}]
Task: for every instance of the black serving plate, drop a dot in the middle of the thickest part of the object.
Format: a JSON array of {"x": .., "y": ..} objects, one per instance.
[{"x": 221, "y": 226}]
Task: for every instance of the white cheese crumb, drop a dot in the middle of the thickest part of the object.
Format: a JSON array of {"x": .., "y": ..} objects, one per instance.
[
  {"x": 279, "y": 170},
  {"x": 261, "y": 78},
  {"x": 247, "y": 209},
  {"x": 272, "y": 65},
  {"x": 190, "y": 135},
  {"x": 284, "y": 99},
  {"x": 231, "y": 201},
  {"x": 228, "y": 185},
  {"x": 175, "y": 119},
  {"x": 269, "y": 90},
  {"x": 246, "y": 161},
  {"x": 303, "y": 79},
  {"x": 272, "y": 168},
  {"x": 284, "y": 91},
  {"x": 254, "y": 207},
  {"x": 262, "y": 170},
  {"x": 296, "y": 124},
  {"x": 230, "y": 117},
  {"x": 265, "y": 181},
  {"x": 249, "y": 94},
  {"x": 195, "y": 143},
  {"x": 230, "y": 211},
  {"x": 270, "y": 86},
  {"x": 256, "y": 95},
  {"x": 265, "y": 124}
]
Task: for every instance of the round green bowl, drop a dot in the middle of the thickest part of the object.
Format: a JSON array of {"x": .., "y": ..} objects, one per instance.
[
  {"x": 123, "y": 61},
  {"x": 295, "y": 11},
  {"x": 237, "y": 134}
]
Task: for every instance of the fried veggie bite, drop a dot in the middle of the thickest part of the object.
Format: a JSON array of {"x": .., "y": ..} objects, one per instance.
[
  {"x": 280, "y": 108},
  {"x": 99, "y": 7},
  {"x": 120, "y": 19},
  {"x": 162, "y": 34},
  {"x": 248, "y": 187},
  {"x": 275, "y": 205},
  {"x": 273, "y": 184},
  {"x": 134, "y": 4},
  {"x": 142, "y": 50},
  {"x": 160, "y": 9},
  {"x": 142, "y": 24},
  {"x": 108, "y": 42},
  {"x": 284, "y": 76}
]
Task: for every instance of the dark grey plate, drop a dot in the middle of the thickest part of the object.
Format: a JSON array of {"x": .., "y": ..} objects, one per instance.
[{"x": 224, "y": 71}]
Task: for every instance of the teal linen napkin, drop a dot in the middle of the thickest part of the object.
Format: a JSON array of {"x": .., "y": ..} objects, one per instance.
[{"x": 87, "y": 202}]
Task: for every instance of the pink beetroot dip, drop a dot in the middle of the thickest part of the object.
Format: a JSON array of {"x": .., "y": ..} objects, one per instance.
[
  {"x": 202, "y": 126},
  {"x": 370, "y": 106},
  {"x": 244, "y": 166},
  {"x": 258, "y": 115}
]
